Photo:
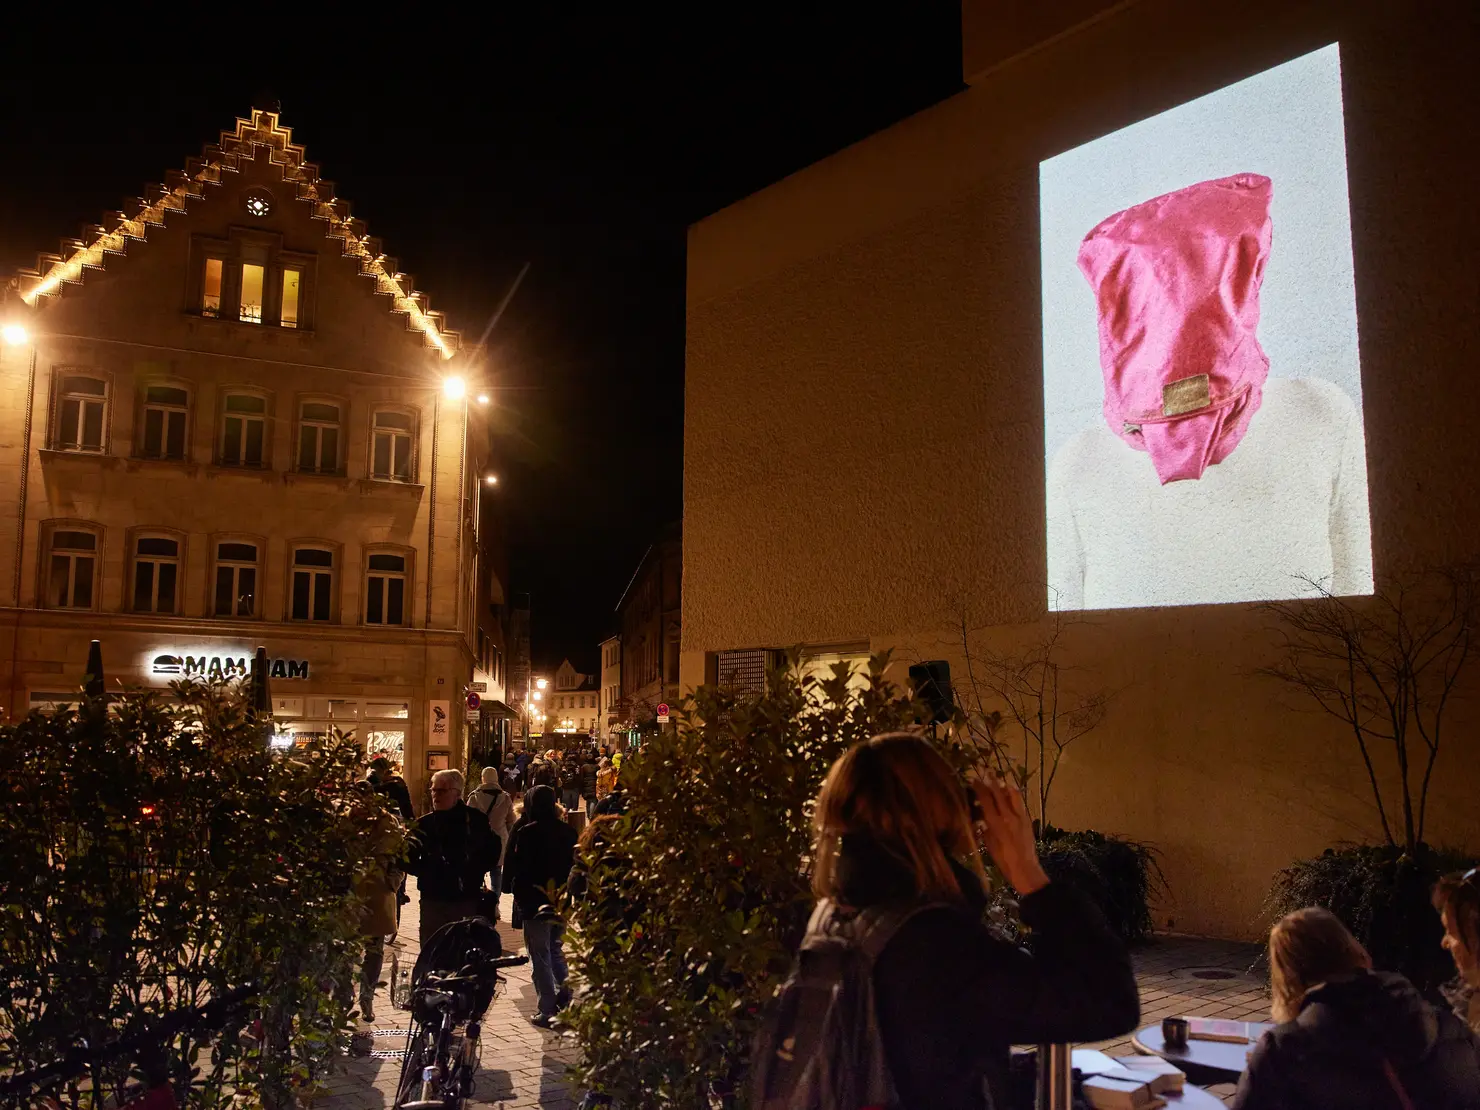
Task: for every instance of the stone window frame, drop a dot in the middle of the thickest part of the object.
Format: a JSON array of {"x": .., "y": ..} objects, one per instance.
[
  {"x": 59, "y": 374},
  {"x": 415, "y": 433},
  {"x": 131, "y": 562},
  {"x": 336, "y": 578},
  {"x": 260, "y": 247},
  {"x": 341, "y": 457},
  {"x": 408, "y": 576},
  {"x": 48, "y": 529},
  {"x": 219, "y": 447},
  {"x": 214, "y": 565},
  {"x": 141, "y": 408}
]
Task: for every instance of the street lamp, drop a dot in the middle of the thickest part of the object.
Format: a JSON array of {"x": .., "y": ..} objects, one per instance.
[
  {"x": 491, "y": 479},
  {"x": 15, "y": 335},
  {"x": 454, "y": 388},
  {"x": 541, "y": 683}
]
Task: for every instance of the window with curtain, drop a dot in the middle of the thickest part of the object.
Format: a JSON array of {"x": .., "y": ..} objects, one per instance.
[
  {"x": 210, "y": 296},
  {"x": 250, "y": 310},
  {"x": 391, "y": 442},
  {"x": 82, "y": 410},
  {"x": 318, "y": 437}
]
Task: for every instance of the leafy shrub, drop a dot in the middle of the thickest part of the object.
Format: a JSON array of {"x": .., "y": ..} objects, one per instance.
[
  {"x": 700, "y": 898},
  {"x": 160, "y": 855},
  {"x": 1381, "y": 893},
  {"x": 1119, "y": 875}
]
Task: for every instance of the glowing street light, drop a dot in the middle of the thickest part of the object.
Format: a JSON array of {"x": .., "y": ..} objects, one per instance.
[
  {"x": 484, "y": 398},
  {"x": 14, "y": 335},
  {"x": 491, "y": 479},
  {"x": 454, "y": 388},
  {"x": 537, "y": 695}
]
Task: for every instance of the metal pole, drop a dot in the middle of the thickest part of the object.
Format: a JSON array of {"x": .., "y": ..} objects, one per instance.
[{"x": 1055, "y": 1078}]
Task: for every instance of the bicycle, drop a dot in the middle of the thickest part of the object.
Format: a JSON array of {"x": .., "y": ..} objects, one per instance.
[
  {"x": 147, "y": 1049},
  {"x": 439, "y": 1064}
]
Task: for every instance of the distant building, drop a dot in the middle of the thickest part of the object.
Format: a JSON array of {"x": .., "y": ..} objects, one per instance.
[
  {"x": 648, "y": 616},
  {"x": 574, "y": 702},
  {"x": 611, "y": 686},
  {"x": 229, "y": 421}
]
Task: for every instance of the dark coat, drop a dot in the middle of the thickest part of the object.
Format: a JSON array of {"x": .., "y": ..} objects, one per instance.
[
  {"x": 1332, "y": 1054},
  {"x": 394, "y": 787},
  {"x": 450, "y": 850},
  {"x": 952, "y": 997},
  {"x": 588, "y": 780},
  {"x": 541, "y": 853}
]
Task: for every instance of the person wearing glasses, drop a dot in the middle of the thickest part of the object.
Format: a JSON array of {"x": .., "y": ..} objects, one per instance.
[
  {"x": 1457, "y": 898},
  {"x": 450, "y": 850}
]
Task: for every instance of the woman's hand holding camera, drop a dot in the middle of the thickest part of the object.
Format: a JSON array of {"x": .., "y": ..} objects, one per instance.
[{"x": 1009, "y": 834}]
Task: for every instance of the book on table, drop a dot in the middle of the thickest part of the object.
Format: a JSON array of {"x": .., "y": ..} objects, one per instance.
[
  {"x": 1215, "y": 1029},
  {"x": 1163, "y": 1076},
  {"x": 1091, "y": 1061},
  {"x": 1105, "y": 1093}
]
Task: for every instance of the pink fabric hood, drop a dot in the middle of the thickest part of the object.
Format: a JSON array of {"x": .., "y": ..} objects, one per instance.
[{"x": 1176, "y": 282}]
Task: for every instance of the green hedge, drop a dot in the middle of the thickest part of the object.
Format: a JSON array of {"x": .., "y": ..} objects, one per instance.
[{"x": 1120, "y": 875}]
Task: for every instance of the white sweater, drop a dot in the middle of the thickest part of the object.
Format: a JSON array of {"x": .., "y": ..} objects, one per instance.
[{"x": 1289, "y": 504}]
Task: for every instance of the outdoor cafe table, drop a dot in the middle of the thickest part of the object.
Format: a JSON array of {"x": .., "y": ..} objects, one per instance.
[{"x": 1203, "y": 1061}]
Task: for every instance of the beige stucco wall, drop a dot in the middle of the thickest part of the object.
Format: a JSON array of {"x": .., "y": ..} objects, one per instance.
[{"x": 863, "y": 426}]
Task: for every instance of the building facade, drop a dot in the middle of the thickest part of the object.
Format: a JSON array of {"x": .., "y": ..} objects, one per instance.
[
  {"x": 229, "y": 422},
  {"x": 611, "y": 686},
  {"x": 649, "y": 616},
  {"x": 573, "y": 702},
  {"x": 868, "y": 425}
]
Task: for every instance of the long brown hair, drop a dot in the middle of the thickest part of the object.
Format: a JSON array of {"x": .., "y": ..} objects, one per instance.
[
  {"x": 898, "y": 790},
  {"x": 1306, "y": 948}
]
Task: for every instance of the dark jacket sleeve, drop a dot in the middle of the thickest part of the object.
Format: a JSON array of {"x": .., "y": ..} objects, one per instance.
[{"x": 1262, "y": 1085}]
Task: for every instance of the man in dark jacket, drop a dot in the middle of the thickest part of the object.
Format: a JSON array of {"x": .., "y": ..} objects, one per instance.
[
  {"x": 588, "y": 784},
  {"x": 1357, "y": 1040},
  {"x": 570, "y": 782},
  {"x": 450, "y": 851},
  {"x": 393, "y": 786},
  {"x": 538, "y": 863}
]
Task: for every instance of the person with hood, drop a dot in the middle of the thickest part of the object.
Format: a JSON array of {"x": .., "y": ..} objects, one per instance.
[
  {"x": 450, "y": 850},
  {"x": 1350, "y": 1038},
  {"x": 893, "y": 826},
  {"x": 383, "y": 777},
  {"x": 1457, "y": 898},
  {"x": 606, "y": 779},
  {"x": 494, "y": 801},
  {"x": 536, "y": 869}
]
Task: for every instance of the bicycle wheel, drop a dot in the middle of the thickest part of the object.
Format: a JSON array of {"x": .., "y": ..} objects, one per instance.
[{"x": 418, "y": 1052}]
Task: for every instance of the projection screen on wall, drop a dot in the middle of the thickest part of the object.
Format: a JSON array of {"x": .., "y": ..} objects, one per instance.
[{"x": 1202, "y": 391}]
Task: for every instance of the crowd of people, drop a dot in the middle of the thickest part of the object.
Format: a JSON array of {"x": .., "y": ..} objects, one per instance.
[{"x": 897, "y": 870}]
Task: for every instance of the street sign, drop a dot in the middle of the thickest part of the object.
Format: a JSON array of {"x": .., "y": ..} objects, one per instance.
[
  {"x": 663, "y": 713},
  {"x": 474, "y": 701},
  {"x": 478, "y": 687},
  {"x": 474, "y": 714}
]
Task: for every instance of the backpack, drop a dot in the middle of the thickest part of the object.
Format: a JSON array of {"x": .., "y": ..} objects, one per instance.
[{"x": 820, "y": 1047}]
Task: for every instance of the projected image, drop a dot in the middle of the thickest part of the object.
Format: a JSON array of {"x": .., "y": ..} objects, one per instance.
[{"x": 1202, "y": 391}]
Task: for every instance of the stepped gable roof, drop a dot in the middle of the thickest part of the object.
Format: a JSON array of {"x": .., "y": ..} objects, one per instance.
[{"x": 181, "y": 187}]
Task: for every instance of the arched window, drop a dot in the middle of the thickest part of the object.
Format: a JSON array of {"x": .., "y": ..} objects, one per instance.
[
  {"x": 313, "y": 584},
  {"x": 243, "y": 429},
  {"x": 237, "y": 567},
  {"x": 81, "y": 413},
  {"x": 385, "y": 589},
  {"x": 165, "y": 410},
  {"x": 318, "y": 437},
  {"x": 393, "y": 436},
  {"x": 156, "y": 574},
  {"x": 71, "y": 568}
]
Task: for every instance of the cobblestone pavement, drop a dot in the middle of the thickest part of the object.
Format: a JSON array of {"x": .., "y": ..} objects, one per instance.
[{"x": 525, "y": 1066}]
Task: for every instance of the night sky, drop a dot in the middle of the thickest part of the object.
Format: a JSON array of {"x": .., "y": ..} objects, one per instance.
[{"x": 584, "y": 148}]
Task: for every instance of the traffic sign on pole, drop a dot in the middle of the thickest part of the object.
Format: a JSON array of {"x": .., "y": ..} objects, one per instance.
[
  {"x": 474, "y": 701},
  {"x": 663, "y": 713}
]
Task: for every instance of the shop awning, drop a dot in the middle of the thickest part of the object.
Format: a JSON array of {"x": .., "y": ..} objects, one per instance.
[{"x": 499, "y": 711}]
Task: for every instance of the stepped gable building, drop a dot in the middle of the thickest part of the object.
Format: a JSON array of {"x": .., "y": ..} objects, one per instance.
[{"x": 228, "y": 420}]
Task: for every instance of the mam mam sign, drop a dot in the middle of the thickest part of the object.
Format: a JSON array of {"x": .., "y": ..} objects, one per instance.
[{"x": 211, "y": 664}]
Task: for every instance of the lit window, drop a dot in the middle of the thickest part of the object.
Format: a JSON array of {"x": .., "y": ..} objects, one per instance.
[
  {"x": 251, "y": 303},
  {"x": 72, "y": 561},
  {"x": 318, "y": 438},
  {"x": 164, "y": 422},
  {"x": 243, "y": 430},
  {"x": 236, "y": 580},
  {"x": 385, "y": 590},
  {"x": 313, "y": 584},
  {"x": 288, "y": 316},
  {"x": 391, "y": 448},
  {"x": 210, "y": 299},
  {"x": 82, "y": 404},
  {"x": 156, "y": 570}
]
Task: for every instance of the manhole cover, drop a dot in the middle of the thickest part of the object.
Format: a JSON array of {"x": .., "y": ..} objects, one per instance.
[{"x": 1215, "y": 973}]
